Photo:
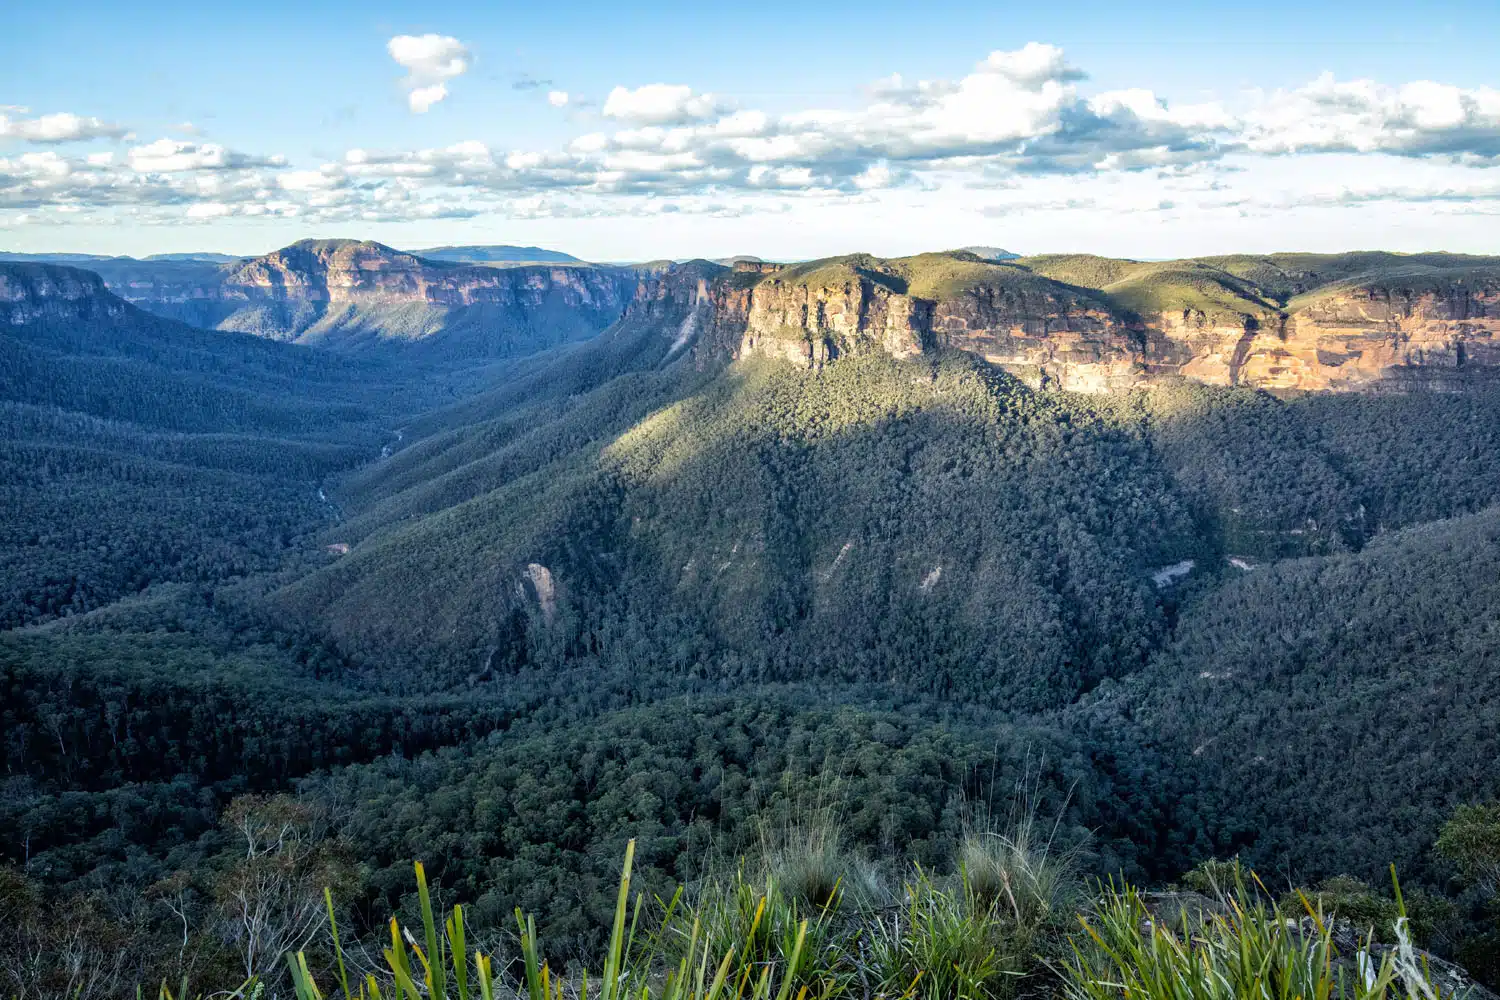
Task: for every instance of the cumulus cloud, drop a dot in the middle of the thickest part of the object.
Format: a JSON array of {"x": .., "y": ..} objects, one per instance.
[
  {"x": 56, "y": 128},
  {"x": 1032, "y": 65},
  {"x": 1018, "y": 111},
  {"x": 661, "y": 104},
  {"x": 558, "y": 98},
  {"x": 169, "y": 156},
  {"x": 430, "y": 61},
  {"x": 1415, "y": 119}
]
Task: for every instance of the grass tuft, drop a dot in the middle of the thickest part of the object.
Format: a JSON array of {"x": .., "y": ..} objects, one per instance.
[{"x": 980, "y": 934}]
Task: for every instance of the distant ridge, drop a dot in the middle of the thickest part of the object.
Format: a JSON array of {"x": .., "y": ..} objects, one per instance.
[
  {"x": 203, "y": 257},
  {"x": 57, "y": 258},
  {"x": 500, "y": 254},
  {"x": 991, "y": 253},
  {"x": 194, "y": 257}
]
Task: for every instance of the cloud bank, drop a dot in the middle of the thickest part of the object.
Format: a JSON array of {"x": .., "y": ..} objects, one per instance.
[
  {"x": 1016, "y": 132},
  {"x": 57, "y": 128}
]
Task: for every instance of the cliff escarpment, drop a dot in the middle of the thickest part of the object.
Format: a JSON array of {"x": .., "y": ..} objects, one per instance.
[
  {"x": 351, "y": 295},
  {"x": 1284, "y": 322},
  {"x": 45, "y": 293},
  {"x": 1329, "y": 322}
]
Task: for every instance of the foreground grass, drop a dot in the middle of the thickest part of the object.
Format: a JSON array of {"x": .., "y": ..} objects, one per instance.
[
  {"x": 1246, "y": 949},
  {"x": 994, "y": 931}
]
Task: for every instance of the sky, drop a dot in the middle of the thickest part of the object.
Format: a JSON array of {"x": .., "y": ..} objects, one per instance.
[{"x": 786, "y": 130}]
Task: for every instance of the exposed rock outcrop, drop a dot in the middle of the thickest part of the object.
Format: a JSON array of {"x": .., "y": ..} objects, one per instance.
[
  {"x": 347, "y": 294},
  {"x": 813, "y": 324},
  {"x": 1365, "y": 334},
  {"x": 45, "y": 293},
  {"x": 1433, "y": 327}
]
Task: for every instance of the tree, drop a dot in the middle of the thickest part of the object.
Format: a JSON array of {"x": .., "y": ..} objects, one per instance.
[
  {"x": 271, "y": 900},
  {"x": 1471, "y": 840}
]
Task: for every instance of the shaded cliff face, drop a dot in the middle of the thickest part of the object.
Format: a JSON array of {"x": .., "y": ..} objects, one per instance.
[
  {"x": 44, "y": 293},
  {"x": 351, "y": 295},
  {"x": 1400, "y": 326}
]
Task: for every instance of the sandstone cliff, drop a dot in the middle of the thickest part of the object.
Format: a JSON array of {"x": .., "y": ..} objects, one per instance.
[
  {"x": 1397, "y": 326},
  {"x": 44, "y": 293},
  {"x": 349, "y": 295},
  {"x": 1367, "y": 321}
]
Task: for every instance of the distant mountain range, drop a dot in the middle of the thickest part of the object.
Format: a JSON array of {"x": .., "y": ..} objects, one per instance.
[
  {"x": 204, "y": 257},
  {"x": 497, "y": 255},
  {"x": 354, "y": 295},
  {"x": 57, "y": 258}
]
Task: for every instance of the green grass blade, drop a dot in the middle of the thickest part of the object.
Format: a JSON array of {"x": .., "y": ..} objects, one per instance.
[
  {"x": 437, "y": 975},
  {"x": 338, "y": 950},
  {"x": 455, "y": 928},
  {"x": 614, "y": 959},
  {"x": 401, "y": 974}
]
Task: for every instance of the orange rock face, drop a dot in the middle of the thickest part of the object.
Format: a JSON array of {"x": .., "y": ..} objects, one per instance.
[
  {"x": 813, "y": 325},
  {"x": 1357, "y": 338},
  {"x": 1361, "y": 338}
]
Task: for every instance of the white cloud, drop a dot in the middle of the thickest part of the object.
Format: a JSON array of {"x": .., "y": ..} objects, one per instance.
[
  {"x": 423, "y": 98},
  {"x": 1416, "y": 119},
  {"x": 1015, "y": 136},
  {"x": 661, "y": 104},
  {"x": 429, "y": 60},
  {"x": 56, "y": 128},
  {"x": 170, "y": 156},
  {"x": 325, "y": 179},
  {"x": 208, "y": 210},
  {"x": 1032, "y": 65}
]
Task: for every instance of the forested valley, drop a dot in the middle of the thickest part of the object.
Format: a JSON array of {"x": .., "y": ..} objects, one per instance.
[{"x": 503, "y": 616}]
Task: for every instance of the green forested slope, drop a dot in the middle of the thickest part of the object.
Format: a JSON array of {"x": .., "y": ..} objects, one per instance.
[
  {"x": 1329, "y": 711},
  {"x": 630, "y": 589},
  {"x": 934, "y": 523},
  {"x": 137, "y": 450}
]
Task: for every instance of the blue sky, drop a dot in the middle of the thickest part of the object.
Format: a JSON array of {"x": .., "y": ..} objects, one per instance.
[{"x": 1161, "y": 130}]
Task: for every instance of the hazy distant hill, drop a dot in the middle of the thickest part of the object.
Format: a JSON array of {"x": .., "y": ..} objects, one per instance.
[
  {"x": 90, "y": 258},
  {"x": 58, "y": 258},
  {"x": 991, "y": 253},
  {"x": 205, "y": 256},
  {"x": 500, "y": 254}
]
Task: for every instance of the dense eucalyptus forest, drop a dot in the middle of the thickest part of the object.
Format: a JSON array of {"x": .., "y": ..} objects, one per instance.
[{"x": 503, "y": 615}]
